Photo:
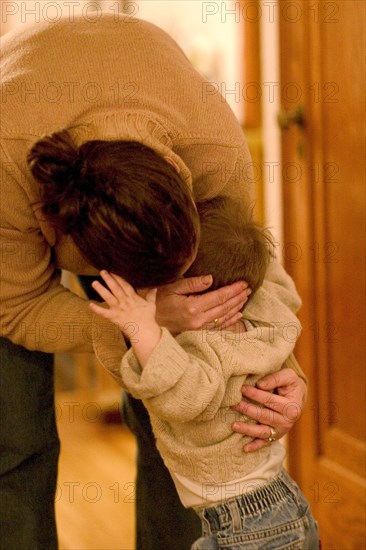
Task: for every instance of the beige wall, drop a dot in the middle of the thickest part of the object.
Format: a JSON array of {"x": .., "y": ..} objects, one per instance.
[
  {"x": 17, "y": 13},
  {"x": 270, "y": 107}
]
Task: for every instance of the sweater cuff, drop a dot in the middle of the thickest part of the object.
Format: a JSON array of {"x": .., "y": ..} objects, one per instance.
[
  {"x": 164, "y": 368},
  {"x": 109, "y": 345}
]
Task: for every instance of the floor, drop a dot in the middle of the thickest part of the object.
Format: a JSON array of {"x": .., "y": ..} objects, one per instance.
[{"x": 95, "y": 499}]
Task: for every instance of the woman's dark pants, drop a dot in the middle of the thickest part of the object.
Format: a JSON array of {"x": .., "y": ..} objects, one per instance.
[
  {"x": 29, "y": 449},
  {"x": 162, "y": 522}
]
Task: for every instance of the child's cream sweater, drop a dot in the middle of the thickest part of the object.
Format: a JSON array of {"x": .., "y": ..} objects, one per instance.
[{"x": 190, "y": 382}]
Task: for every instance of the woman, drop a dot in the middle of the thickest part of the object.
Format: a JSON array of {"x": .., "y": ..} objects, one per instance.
[{"x": 122, "y": 107}]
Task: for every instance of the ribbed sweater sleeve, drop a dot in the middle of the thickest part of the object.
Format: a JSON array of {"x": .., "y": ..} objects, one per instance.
[{"x": 176, "y": 385}]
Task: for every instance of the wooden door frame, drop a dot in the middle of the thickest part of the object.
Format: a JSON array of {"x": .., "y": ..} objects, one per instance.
[{"x": 333, "y": 490}]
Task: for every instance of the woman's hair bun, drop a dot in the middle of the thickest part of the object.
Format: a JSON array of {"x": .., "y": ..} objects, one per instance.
[
  {"x": 55, "y": 162},
  {"x": 54, "y": 159}
]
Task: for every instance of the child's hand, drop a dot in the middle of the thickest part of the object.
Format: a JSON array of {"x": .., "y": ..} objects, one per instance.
[{"x": 125, "y": 305}]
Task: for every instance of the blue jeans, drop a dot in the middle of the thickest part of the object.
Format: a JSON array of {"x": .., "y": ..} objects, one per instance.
[{"x": 274, "y": 516}]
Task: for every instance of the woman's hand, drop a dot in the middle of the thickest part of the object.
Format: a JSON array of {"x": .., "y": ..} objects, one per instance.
[
  {"x": 180, "y": 306},
  {"x": 280, "y": 410}
]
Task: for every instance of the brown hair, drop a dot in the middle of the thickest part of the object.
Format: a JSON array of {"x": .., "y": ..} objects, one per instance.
[
  {"x": 232, "y": 246},
  {"x": 125, "y": 207}
]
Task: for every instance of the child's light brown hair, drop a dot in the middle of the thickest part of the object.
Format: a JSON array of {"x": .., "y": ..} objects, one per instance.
[{"x": 232, "y": 246}]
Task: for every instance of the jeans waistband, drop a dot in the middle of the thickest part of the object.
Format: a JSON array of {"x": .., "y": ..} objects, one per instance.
[{"x": 215, "y": 517}]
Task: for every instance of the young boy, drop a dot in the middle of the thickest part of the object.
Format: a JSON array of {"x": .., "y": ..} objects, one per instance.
[{"x": 190, "y": 384}]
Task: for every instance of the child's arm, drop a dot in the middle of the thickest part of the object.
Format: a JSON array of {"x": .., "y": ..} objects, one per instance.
[
  {"x": 184, "y": 379},
  {"x": 128, "y": 310},
  {"x": 174, "y": 384}
]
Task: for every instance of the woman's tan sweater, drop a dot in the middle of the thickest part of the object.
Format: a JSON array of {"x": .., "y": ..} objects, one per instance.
[{"x": 114, "y": 78}]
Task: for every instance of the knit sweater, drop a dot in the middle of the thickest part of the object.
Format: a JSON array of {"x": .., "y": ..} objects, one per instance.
[
  {"x": 114, "y": 78},
  {"x": 189, "y": 383}
]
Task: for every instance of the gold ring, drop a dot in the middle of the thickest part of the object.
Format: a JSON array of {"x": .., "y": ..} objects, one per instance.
[
  {"x": 216, "y": 323},
  {"x": 273, "y": 435}
]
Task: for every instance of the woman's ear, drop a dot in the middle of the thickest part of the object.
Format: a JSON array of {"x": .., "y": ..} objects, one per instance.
[{"x": 172, "y": 163}]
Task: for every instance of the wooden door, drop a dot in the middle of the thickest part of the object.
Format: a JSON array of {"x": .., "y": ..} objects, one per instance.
[{"x": 322, "y": 47}]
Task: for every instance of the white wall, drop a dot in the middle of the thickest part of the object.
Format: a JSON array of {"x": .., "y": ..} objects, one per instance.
[
  {"x": 15, "y": 13},
  {"x": 269, "y": 28},
  {"x": 211, "y": 35}
]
